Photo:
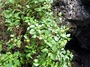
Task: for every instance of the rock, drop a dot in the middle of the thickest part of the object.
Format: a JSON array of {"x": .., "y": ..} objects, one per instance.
[
  {"x": 76, "y": 15},
  {"x": 76, "y": 12},
  {"x": 84, "y": 37},
  {"x": 73, "y": 9}
]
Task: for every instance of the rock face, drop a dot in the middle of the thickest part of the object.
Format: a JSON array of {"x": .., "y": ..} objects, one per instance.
[
  {"x": 81, "y": 47},
  {"x": 74, "y": 9},
  {"x": 77, "y": 13}
]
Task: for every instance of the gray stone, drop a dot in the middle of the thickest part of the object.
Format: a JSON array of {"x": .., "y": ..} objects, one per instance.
[{"x": 76, "y": 12}]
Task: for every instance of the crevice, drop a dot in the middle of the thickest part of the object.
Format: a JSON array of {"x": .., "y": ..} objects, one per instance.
[{"x": 80, "y": 47}]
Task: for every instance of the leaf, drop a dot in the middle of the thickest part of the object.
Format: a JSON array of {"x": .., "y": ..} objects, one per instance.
[
  {"x": 35, "y": 60},
  {"x": 32, "y": 31},
  {"x": 49, "y": 44},
  {"x": 54, "y": 48},
  {"x": 38, "y": 9},
  {"x": 28, "y": 55},
  {"x": 52, "y": 56},
  {"x": 8, "y": 20},
  {"x": 16, "y": 53},
  {"x": 17, "y": 15},
  {"x": 47, "y": 33},
  {"x": 34, "y": 36},
  {"x": 36, "y": 64},
  {"x": 68, "y": 35},
  {"x": 10, "y": 64},
  {"x": 60, "y": 14},
  {"x": 45, "y": 50},
  {"x": 18, "y": 43},
  {"x": 11, "y": 1},
  {"x": 27, "y": 6},
  {"x": 16, "y": 62},
  {"x": 56, "y": 38},
  {"x": 63, "y": 35}
]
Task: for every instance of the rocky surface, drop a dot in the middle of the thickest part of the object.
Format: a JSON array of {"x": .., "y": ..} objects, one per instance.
[
  {"x": 74, "y": 9},
  {"x": 77, "y": 14}
]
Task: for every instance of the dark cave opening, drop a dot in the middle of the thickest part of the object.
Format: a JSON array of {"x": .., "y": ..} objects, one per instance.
[{"x": 80, "y": 46}]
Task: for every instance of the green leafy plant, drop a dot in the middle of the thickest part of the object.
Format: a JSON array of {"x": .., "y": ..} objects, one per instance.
[
  {"x": 9, "y": 60},
  {"x": 34, "y": 37}
]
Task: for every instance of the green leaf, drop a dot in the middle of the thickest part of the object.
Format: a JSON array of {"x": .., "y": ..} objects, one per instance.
[
  {"x": 18, "y": 43},
  {"x": 16, "y": 62},
  {"x": 60, "y": 14},
  {"x": 52, "y": 56},
  {"x": 8, "y": 20},
  {"x": 36, "y": 64},
  {"x": 56, "y": 38},
  {"x": 35, "y": 60},
  {"x": 38, "y": 9},
  {"x": 45, "y": 50},
  {"x": 54, "y": 48},
  {"x": 10, "y": 64},
  {"x": 11, "y": 1},
  {"x": 16, "y": 53},
  {"x": 17, "y": 15},
  {"x": 28, "y": 55},
  {"x": 49, "y": 44}
]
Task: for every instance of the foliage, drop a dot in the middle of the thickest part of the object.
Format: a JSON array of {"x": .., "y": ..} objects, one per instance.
[
  {"x": 9, "y": 60},
  {"x": 34, "y": 36}
]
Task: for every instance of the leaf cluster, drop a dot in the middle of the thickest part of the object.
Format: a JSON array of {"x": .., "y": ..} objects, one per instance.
[{"x": 34, "y": 36}]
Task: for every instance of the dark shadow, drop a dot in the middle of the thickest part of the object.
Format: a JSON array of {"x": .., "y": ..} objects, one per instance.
[{"x": 80, "y": 46}]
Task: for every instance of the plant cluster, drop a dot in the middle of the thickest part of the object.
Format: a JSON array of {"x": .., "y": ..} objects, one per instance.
[{"x": 34, "y": 37}]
